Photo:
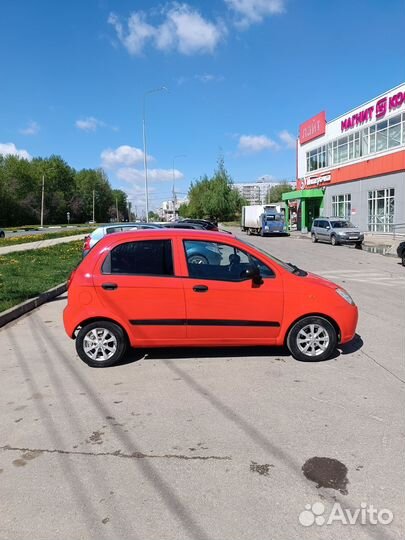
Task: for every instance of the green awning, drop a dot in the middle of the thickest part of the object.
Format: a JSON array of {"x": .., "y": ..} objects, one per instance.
[{"x": 303, "y": 194}]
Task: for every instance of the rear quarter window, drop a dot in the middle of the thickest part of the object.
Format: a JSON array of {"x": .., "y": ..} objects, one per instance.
[{"x": 141, "y": 258}]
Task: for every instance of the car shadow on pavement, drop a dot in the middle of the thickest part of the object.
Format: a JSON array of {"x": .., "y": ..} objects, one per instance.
[
  {"x": 280, "y": 354},
  {"x": 195, "y": 353},
  {"x": 353, "y": 346}
]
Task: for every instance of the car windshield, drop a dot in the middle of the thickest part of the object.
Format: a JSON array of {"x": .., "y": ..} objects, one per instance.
[
  {"x": 342, "y": 225},
  {"x": 287, "y": 266}
]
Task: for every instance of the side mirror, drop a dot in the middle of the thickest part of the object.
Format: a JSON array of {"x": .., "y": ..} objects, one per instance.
[
  {"x": 252, "y": 272},
  {"x": 327, "y": 227}
]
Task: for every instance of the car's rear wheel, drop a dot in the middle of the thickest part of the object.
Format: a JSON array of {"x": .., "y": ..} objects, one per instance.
[
  {"x": 333, "y": 240},
  {"x": 314, "y": 238},
  {"x": 101, "y": 343},
  {"x": 312, "y": 339}
]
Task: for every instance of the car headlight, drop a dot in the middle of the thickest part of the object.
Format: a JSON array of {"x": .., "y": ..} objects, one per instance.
[
  {"x": 345, "y": 295},
  {"x": 341, "y": 233}
]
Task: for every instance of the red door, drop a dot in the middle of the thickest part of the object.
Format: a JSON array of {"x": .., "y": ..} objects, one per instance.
[
  {"x": 220, "y": 307},
  {"x": 136, "y": 283}
]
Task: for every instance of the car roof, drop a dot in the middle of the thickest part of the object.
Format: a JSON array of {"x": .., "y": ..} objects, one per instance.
[{"x": 148, "y": 234}]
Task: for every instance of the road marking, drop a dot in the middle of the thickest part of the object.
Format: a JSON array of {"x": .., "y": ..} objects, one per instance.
[{"x": 360, "y": 276}]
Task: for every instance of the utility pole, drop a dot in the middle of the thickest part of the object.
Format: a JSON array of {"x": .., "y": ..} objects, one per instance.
[
  {"x": 116, "y": 208},
  {"x": 94, "y": 205},
  {"x": 42, "y": 201}
]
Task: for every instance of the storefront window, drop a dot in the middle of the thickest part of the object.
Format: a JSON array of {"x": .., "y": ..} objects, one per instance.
[
  {"x": 381, "y": 205},
  {"x": 342, "y": 205},
  {"x": 377, "y": 138},
  {"x": 394, "y": 131}
]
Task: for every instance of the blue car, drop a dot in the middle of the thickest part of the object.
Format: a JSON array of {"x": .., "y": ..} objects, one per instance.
[{"x": 202, "y": 253}]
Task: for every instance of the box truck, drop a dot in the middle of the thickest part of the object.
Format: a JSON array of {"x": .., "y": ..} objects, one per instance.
[{"x": 263, "y": 219}]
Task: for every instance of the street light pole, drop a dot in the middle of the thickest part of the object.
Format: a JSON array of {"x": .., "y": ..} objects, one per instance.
[
  {"x": 174, "y": 180},
  {"x": 116, "y": 208},
  {"x": 42, "y": 201},
  {"x": 145, "y": 161},
  {"x": 94, "y": 205}
]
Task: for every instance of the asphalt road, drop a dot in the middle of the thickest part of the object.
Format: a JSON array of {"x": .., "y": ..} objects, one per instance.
[{"x": 209, "y": 444}]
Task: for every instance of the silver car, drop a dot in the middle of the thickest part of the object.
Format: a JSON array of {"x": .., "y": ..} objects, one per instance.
[
  {"x": 336, "y": 230},
  {"x": 100, "y": 232}
]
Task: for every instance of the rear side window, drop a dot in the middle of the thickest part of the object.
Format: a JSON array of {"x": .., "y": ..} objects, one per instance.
[{"x": 142, "y": 258}]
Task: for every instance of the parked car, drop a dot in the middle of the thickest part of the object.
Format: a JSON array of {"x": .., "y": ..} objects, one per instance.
[
  {"x": 401, "y": 252},
  {"x": 92, "y": 239},
  {"x": 144, "y": 289},
  {"x": 205, "y": 224},
  {"x": 181, "y": 225},
  {"x": 2, "y": 233},
  {"x": 336, "y": 230}
]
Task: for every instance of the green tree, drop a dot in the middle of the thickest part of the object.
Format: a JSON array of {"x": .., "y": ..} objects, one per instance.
[
  {"x": 213, "y": 198},
  {"x": 275, "y": 193},
  {"x": 153, "y": 216}
]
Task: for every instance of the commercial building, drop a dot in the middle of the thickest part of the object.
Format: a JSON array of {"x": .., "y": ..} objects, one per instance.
[{"x": 354, "y": 166}]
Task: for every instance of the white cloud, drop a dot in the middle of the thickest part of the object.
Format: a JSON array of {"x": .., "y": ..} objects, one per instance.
[
  {"x": 89, "y": 124},
  {"x": 209, "y": 77},
  {"x": 254, "y": 11},
  {"x": 183, "y": 29},
  {"x": 256, "y": 143},
  {"x": 31, "y": 129},
  {"x": 288, "y": 139},
  {"x": 10, "y": 149},
  {"x": 137, "y": 176},
  {"x": 123, "y": 155}
]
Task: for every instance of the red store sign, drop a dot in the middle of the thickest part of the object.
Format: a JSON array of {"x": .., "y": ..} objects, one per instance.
[
  {"x": 313, "y": 128},
  {"x": 313, "y": 181}
]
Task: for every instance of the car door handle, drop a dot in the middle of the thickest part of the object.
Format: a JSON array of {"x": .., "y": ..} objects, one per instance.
[
  {"x": 109, "y": 286},
  {"x": 200, "y": 288}
]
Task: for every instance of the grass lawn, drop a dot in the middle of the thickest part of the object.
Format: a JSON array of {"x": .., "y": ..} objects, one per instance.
[
  {"x": 13, "y": 240},
  {"x": 26, "y": 274}
]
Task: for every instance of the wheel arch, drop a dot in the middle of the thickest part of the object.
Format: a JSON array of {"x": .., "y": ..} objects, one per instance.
[
  {"x": 100, "y": 318},
  {"x": 317, "y": 314}
]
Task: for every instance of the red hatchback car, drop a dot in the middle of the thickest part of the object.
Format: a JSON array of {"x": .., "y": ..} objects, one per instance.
[{"x": 173, "y": 288}]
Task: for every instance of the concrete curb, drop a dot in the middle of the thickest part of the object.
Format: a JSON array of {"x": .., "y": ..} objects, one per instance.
[{"x": 19, "y": 310}]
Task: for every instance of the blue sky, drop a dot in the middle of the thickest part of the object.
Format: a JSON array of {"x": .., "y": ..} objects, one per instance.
[{"x": 241, "y": 76}]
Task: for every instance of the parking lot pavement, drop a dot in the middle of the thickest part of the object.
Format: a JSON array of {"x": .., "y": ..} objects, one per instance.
[{"x": 208, "y": 444}]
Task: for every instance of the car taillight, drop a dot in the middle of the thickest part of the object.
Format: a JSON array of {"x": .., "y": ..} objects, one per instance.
[
  {"x": 86, "y": 244},
  {"x": 70, "y": 278}
]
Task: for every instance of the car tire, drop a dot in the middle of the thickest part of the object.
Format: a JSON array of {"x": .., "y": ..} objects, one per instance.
[
  {"x": 359, "y": 245},
  {"x": 2, "y": 234},
  {"x": 314, "y": 238},
  {"x": 197, "y": 259},
  {"x": 103, "y": 337},
  {"x": 333, "y": 240},
  {"x": 300, "y": 335},
  {"x": 249, "y": 232},
  {"x": 403, "y": 258}
]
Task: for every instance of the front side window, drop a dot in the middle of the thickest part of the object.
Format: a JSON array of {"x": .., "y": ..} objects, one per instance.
[
  {"x": 212, "y": 260},
  {"x": 142, "y": 258}
]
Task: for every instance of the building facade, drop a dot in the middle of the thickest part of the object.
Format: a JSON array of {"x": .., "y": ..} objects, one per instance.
[
  {"x": 256, "y": 192},
  {"x": 354, "y": 166}
]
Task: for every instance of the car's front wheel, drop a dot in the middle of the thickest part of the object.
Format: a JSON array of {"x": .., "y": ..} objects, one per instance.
[
  {"x": 197, "y": 259},
  {"x": 333, "y": 240},
  {"x": 403, "y": 258},
  {"x": 312, "y": 339},
  {"x": 314, "y": 238},
  {"x": 101, "y": 343}
]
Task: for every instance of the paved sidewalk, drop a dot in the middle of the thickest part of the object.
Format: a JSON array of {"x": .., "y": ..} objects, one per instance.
[
  {"x": 40, "y": 244},
  {"x": 369, "y": 239}
]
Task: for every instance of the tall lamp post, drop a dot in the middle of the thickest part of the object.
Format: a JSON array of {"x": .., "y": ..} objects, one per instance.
[
  {"x": 174, "y": 180},
  {"x": 145, "y": 164}
]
